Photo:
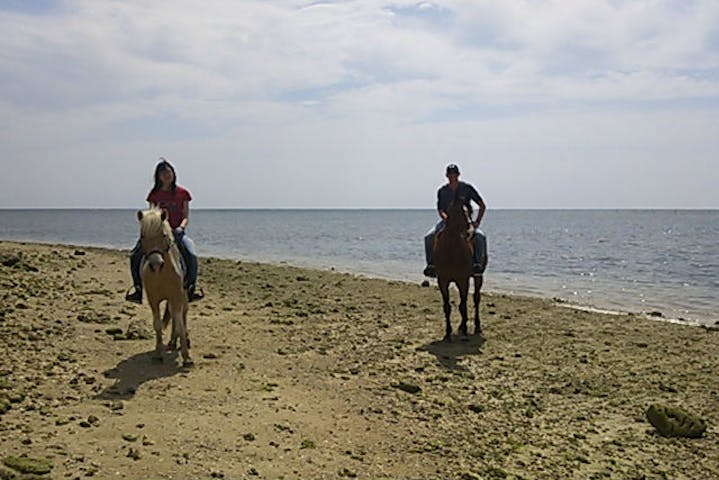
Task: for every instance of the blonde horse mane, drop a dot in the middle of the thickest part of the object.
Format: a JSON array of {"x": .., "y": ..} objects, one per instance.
[{"x": 152, "y": 225}]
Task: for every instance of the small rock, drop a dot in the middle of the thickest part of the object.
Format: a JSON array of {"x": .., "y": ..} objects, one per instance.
[
  {"x": 137, "y": 330},
  {"x": 347, "y": 472},
  {"x": 78, "y": 253},
  {"x": 675, "y": 422},
  {"x": 407, "y": 387},
  {"x": 655, "y": 313},
  {"x": 249, "y": 437},
  {"x": 253, "y": 471},
  {"x": 134, "y": 454},
  {"x": 113, "y": 331},
  {"x": 425, "y": 283},
  {"x": 10, "y": 259},
  {"x": 476, "y": 408},
  {"x": 210, "y": 356},
  {"x": 129, "y": 437}
]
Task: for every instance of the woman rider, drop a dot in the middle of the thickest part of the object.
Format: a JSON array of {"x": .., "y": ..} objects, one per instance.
[{"x": 174, "y": 198}]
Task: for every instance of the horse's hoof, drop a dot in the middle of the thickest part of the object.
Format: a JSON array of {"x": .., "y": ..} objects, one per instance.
[
  {"x": 447, "y": 339},
  {"x": 187, "y": 363}
]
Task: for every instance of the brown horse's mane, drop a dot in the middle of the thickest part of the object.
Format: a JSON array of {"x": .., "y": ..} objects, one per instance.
[{"x": 458, "y": 221}]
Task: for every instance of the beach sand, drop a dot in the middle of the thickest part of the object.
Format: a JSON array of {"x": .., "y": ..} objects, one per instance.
[{"x": 297, "y": 374}]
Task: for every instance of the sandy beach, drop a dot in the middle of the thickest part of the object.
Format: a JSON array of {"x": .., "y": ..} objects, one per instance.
[{"x": 307, "y": 374}]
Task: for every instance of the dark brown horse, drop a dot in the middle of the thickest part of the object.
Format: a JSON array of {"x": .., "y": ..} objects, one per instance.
[{"x": 453, "y": 254}]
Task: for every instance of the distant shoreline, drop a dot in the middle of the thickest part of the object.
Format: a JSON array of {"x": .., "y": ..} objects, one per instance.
[{"x": 653, "y": 316}]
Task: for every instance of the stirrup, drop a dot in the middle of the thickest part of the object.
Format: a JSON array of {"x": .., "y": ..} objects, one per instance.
[
  {"x": 429, "y": 271},
  {"x": 194, "y": 295}
]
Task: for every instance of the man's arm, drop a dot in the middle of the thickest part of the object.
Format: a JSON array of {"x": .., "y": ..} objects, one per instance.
[
  {"x": 442, "y": 213},
  {"x": 482, "y": 207}
]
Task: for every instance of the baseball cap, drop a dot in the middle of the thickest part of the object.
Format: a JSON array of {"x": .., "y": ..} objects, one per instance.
[{"x": 452, "y": 168}]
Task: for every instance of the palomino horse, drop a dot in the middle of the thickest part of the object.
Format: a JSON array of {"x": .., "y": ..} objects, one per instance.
[
  {"x": 162, "y": 277},
  {"x": 453, "y": 253}
]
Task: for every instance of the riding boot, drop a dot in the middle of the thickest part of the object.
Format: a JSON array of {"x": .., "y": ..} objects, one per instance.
[
  {"x": 428, "y": 243},
  {"x": 135, "y": 264}
]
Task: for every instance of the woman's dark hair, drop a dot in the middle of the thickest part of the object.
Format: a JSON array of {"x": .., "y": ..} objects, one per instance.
[{"x": 164, "y": 165}]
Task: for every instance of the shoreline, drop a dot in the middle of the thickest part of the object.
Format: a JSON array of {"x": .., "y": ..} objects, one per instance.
[
  {"x": 710, "y": 322},
  {"x": 302, "y": 373}
]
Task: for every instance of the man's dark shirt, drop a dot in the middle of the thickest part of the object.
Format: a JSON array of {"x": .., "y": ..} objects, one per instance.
[{"x": 445, "y": 196}]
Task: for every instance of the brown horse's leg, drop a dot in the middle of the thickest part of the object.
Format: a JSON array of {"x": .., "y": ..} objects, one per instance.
[
  {"x": 444, "y": 288},
  {"x": 478, "y": 280},
  {"x": 463, "y": 286}
]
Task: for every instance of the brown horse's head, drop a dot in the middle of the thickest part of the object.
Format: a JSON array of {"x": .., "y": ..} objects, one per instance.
[{"x": 457, "y": 217}]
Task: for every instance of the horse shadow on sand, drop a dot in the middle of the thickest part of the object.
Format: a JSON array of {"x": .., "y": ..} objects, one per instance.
[
  {"x": 449, "y": 354},
  {"x": 132, "y": 372}
]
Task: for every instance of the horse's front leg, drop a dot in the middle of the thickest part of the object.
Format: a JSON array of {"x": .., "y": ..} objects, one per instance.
[
  {"x": 478, "y": 280},
  {"x": 444, "y": 288},
  {"x": 172, "y": 344},
  {"x": 179, "y": 319},
  {"x": 463, "y": 287},
  {"x": 157, "y": 324}
]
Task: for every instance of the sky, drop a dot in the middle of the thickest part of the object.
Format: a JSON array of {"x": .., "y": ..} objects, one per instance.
[{"x": 360, "y": 103}]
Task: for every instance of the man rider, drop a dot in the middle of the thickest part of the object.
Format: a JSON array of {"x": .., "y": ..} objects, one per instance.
[{"x": 445, "y": 196}]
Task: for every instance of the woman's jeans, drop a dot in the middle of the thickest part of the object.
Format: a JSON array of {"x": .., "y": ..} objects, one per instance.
[
  {"x": 480, "y": 243},
  {"x": 187, "y": 250}
]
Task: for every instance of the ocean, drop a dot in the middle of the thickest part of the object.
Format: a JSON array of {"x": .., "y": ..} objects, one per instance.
[{"x": 619, "y": 260}]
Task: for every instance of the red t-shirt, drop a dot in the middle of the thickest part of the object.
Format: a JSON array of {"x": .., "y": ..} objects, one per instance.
[{"x": 171, "y": 202}]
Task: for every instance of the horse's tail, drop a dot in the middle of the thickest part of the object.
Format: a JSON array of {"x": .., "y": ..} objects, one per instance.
[{"x": 166, "y": 316}]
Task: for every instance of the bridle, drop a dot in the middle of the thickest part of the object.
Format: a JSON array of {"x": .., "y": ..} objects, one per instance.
[{"x": 169, "y": 243}]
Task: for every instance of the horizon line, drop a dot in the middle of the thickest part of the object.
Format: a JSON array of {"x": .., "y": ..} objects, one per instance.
[{"x": 367, "y": 208}]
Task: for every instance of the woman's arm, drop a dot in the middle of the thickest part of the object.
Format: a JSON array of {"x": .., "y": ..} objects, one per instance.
[{"x": 185, "y": 214}]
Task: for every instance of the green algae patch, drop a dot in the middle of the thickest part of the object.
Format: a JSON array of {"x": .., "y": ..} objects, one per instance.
[
  {"x": 37, "y": 466},
  {"x": 675, "y": 422},
  {"x": 4, "y": 405}
]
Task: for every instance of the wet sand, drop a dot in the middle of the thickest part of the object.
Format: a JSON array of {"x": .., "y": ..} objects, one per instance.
[{"x": 306, "y": 374}]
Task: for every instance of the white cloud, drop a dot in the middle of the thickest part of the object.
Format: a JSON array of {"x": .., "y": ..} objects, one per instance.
[{"x": 363, "y": 84}]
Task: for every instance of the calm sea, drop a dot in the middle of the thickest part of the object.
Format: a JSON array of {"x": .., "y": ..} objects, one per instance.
[{"x": 626, "y": 260}]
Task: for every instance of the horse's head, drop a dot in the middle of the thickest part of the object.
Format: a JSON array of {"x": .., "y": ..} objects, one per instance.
[
  {"x": 457, "y": 216},
  {"x": 155, "y": 236}
]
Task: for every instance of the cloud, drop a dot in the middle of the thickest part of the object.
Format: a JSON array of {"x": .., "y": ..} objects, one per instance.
[{"x": 374, "y": 82}]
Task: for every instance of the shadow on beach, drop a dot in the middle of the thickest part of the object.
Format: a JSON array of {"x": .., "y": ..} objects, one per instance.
[
  {"x": 136, "y": 370},
  {"x": 449, "y": 354}
]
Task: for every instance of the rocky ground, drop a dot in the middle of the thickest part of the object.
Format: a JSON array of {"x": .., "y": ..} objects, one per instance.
[{"x": 304, "y": 374}]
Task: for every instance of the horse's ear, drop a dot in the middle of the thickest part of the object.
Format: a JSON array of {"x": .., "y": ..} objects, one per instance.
[
  {"x": 140, "y": 215},
  {"x": 164, "y": 214}
]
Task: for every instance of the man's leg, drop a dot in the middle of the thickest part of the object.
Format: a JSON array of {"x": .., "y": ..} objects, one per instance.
[
  {"x": 480, "y": 252},
  {"x": 428, "y": 245}
]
